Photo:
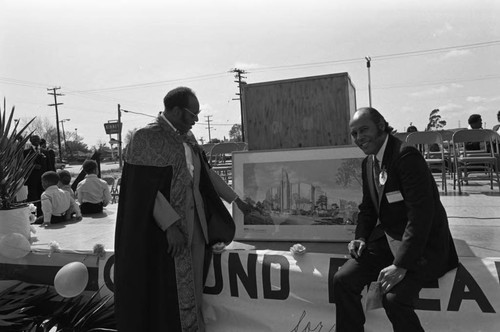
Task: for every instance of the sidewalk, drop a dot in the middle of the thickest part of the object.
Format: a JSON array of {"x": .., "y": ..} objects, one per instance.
[{"x": 474, "y": 219}]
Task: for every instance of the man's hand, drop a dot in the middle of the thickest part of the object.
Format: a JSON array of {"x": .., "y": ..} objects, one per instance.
[
  {"x": 175, "y": 241},
  {"x": 356, "y": 247},
  {"x": 244, "y": 207},
  {"x": 218, "y": 247},
  {"x": 390, "y": 277}
]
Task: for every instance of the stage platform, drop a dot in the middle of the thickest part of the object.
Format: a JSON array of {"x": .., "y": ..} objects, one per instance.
[{"x": 474, "y": 219}]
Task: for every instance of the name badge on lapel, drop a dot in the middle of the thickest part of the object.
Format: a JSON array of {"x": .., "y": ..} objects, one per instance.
[{"x": 394, "y": 196}]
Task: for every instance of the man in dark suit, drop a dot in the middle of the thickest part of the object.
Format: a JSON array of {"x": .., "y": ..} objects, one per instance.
[
  {"x": 34, "y": 180},
  {"x": 51, "y": 155},
  {"x": 402, "y": 238}
]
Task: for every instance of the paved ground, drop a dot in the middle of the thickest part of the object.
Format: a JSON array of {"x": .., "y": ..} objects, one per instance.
[
  {"x": 474, "y": 220},
  {"x": 107, "y": 166}
]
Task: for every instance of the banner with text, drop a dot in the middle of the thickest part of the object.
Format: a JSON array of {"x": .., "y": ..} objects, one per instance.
[
  {"x": 277, "y": 291},
  {"x": 266, "y": 290}
]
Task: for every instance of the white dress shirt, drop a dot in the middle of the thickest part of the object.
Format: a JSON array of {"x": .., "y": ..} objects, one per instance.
[
  {"x": 55, "y": 202},
  {"x": 93, "y": 190},
  {"x": 380, "y": 153}
]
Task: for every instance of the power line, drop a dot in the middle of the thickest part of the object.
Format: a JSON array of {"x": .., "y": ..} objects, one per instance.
[
  {"x": 14, "y": 81},
  {"x": 451, "y": 80},
  {"x": 436, "y": 50},
  {"x": 152, "y": 84},
  {"x": 91, "y": 94},
  {"x": 307, "y": 65},
  {"x": 381, "y": 57}
]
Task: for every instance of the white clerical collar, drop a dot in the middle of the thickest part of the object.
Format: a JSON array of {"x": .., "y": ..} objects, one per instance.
[{"x": 380, "y": 153}]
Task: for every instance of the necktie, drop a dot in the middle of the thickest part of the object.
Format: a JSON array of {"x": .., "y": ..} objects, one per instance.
[
  {"x": 376, "y": 171},
  {"x": 377, "y": 232}
]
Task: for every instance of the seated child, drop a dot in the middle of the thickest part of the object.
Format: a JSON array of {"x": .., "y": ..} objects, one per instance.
[
  {"x": 64, "y": 184},
  {"x": 55, "y": 202},
  {"x": 64, "y": 181},
  {"x": 93, "y": 193}
]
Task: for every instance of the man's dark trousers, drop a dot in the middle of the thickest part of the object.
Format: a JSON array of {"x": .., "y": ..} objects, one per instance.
[{"x": 354, "y": 275}]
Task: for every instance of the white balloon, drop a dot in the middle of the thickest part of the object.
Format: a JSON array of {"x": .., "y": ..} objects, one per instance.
[
  {"x": 71, "y": 279},
  {"x": 14, "y": 246}
]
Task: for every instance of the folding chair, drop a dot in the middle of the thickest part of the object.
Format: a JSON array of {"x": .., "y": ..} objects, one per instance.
[
  {"x": 475, "y": 164},
  {"x": 221, "y": 160},
  {"x": 242, "y": 145},
  {"x": 222, "y": 153},
  {"x": 207, "y": 147},
  {"x": 109, "y": 180},
  {"x": 427, "y": 140},
  {"x": 401, "y": 136},
  {"x": 115, "y": 190}
]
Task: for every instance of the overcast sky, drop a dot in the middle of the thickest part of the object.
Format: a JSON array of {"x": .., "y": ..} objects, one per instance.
[{"x": 425, "y": 55}]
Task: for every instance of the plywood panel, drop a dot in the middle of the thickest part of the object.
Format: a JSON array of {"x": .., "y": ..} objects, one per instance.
[{"x": 304, "y": 112}]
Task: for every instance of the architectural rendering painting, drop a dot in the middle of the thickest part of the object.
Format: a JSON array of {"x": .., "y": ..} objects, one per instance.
[{"x": 309, "y": 194}]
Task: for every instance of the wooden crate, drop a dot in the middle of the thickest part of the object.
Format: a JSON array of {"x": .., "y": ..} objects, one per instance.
[{"x": 301, "y": 112}]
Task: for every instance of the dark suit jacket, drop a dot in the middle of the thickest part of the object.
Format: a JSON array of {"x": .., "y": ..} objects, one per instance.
[
  {"x": 41, "y": 166},
  {"x": 418, "y": 219}
]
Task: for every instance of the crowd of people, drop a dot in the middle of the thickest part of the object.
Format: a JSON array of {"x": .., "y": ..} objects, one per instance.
[{"x": 51, "y": 192}]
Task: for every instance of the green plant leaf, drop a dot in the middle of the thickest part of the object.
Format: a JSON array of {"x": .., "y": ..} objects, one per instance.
[{"x": 14, "y": 166}]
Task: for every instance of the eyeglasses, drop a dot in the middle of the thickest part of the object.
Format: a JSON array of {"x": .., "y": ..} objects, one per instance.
[{"x": 193, "y": 114}]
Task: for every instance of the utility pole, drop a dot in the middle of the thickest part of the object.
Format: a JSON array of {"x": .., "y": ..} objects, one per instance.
[
  {"x": 55, "y": 94},
  {"x": 368, "y": 65},
  {"x": 239, "y": 76},
  {"x": 120, "y": 164},
  {"x": 64, "y": 134},
  {"x": 209, "y": 127}
]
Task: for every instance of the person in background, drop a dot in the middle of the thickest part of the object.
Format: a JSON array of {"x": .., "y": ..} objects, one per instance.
[
  {"x": 56, "y": 203},
  {"x": 475, "y": 122},
  {"x": 497, "y": 126},
  {"x": 34, "y": 180},
  {"x": 411, "y": 129},
  {"x": 402, "y": 239},
  {"x": 93, "y": 193},
  {"x": 170, "y": 218},
  {"x": 51, "y": 155}
]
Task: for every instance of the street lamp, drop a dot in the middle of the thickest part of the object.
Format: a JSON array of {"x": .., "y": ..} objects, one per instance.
[
  {"x": 64, "y": 134},
  {"x": 368, "y": 65}
]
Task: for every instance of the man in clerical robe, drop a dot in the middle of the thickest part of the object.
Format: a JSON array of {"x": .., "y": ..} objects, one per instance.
[{"x": 170, "y": 214}]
